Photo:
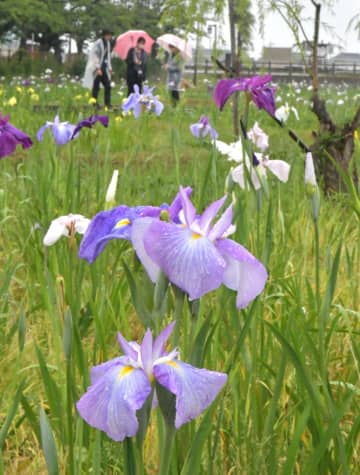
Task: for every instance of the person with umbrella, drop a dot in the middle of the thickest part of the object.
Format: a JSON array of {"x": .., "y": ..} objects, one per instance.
[
  {"x": 98, "y": 69},
  {"x": 179, "y": 51},
  {"x": 136, "y": 65},
  {"x": 174, "y": 67}
]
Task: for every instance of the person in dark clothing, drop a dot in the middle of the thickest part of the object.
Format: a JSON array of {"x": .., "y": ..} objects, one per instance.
[
  {"x": 101, "y": 56},
  {"x": 136, "y": 65}
]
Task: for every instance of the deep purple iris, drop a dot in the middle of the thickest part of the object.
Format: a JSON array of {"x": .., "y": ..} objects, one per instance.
[
  {"x": 90, "y": 122},
  {"x": 196, "y": 254},
  {"x": 262, "y": 94},
  {"x": 113, "y": 224},
  {"x": 10, "y": 137},
  {"x": 121, "y": 386}
]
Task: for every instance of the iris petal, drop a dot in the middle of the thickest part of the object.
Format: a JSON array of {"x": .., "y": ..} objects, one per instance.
[
  {"x": 111, "y": 403},
  {"x": 279, "y": 168},
  {"x": 195, "y": 389},
  {"x": 139, "y": 230},
  {"x": 189, "y": 260},
  {"x": 244, "y": 273}
]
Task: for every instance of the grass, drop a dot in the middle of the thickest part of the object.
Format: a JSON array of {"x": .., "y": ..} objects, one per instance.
[{"x": 291, "y": 405}]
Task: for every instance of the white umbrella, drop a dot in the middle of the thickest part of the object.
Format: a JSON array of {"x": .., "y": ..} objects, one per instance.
[{"x": 182, "y": 45}]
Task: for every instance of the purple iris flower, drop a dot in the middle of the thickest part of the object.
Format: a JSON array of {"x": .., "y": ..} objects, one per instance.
[
  {"x": 26, "y": 82},
  {"x": 90, "y": 122},
  {"x": 121, "y": 386},
  {"x": 136, "y": 101},
  {"x": 262, "y": 94},
  {"x": 113, "y": 224},
  {"x": 202, "y": 128},
  {"x": 10, "y": 137},
  {"x": 196, "y": 255},
  {"x": 63, "y": 132}
]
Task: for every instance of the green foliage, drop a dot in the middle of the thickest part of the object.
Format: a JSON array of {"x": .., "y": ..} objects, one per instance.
[{"x": 291, "y": 404}]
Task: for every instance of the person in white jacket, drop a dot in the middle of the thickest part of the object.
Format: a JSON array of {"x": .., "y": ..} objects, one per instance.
[{"x": 98, "y": 67}]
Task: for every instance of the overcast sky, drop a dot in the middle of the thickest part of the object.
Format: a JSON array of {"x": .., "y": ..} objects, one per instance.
[{"x": 277, "y": 33}]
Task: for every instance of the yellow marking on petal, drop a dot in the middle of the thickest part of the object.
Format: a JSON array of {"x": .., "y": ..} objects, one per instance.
[
  {"x": 124, "y": 371},
  {"x": 122, "y": 223},
  {"x": 173, "y": 364},
  {"x": 196, "y": 236}
]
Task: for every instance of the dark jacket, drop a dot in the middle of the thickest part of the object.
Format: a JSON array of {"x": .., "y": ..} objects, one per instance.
[{"x": 136, "y": 72}]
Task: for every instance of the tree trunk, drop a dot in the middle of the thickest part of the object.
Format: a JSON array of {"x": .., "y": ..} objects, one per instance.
[
  {"x": 332, "y": 139},
  {"x": 235, "y": 66},
  {"x": 339, "y": 143}
]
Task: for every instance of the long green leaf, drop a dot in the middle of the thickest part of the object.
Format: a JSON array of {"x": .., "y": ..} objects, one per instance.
[
  {"x": 193, "y": 458},
  {"x": 48, "y": 444},
  {"x": 11, "y": 414}
]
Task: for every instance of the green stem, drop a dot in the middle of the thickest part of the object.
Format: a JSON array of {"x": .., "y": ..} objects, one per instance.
[
  {"x": 69, "y": 404},
  {"x": 178, "y": 313},
  {"x": 129, "y": 457},
  {"x": 167, "y": 450},
  {"x": 317, "y": 264}
]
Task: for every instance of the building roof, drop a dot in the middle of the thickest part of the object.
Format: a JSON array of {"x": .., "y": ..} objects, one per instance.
[
  {"x": 346, "y": 58},
  {"x": 276, "y": 54}
]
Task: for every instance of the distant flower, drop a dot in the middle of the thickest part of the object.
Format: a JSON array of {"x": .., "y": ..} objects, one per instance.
[
  {"x": 340, "y": 102},
  {"x": 136, "y": 101},
  {"x": 63, "y": 132},
  {"x": 234, "y": 151},
  {"x": 19, "y": 89},
  {"x": 26, "y": 82},
  {"x": 92, "y": 100},
  {"x": 90, "y": 122},
  {"x": 12, "y": 101},
  {"x": 65, "y": 226},
  {"x": 258, "y": 137},
  {"x": 121, "y": 386},
  {"x": 10, "y": 137},
  {"x": 257, "y": 86},
  {"x": 283, "y": 113},
  {"x": 256, "y": 170},
  {"x": 196, "y": 255},
  {"x": 310, "y": 177},
  {"x": 35, "y": 97},
  {"x": 111, "y": 191},
  {"x": 202, "y": 128}
]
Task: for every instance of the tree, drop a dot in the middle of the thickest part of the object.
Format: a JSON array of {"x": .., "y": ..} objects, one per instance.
[{"x": 332, "y": 141}]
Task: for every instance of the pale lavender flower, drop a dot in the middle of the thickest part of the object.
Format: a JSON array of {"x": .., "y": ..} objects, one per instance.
[
  {"x": 120, "y": 387},
  {"x": 62, "y": 131},
  {"x": 202, "y": 128}
]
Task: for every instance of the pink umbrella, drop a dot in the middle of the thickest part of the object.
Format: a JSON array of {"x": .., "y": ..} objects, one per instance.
[
  {"x": 182, "y": 45},
  {"x": 128, "y": 40}
]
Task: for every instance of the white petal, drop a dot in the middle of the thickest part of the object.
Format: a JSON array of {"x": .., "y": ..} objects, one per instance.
[{"x": 279, "y": 168}]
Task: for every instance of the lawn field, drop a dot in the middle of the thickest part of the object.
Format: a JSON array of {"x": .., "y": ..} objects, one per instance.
[{"x": 291, "y": 401}]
